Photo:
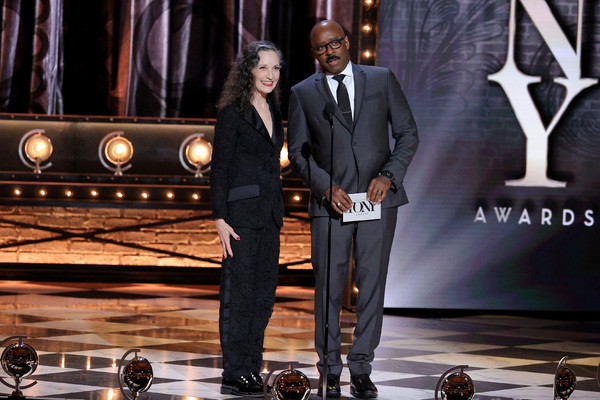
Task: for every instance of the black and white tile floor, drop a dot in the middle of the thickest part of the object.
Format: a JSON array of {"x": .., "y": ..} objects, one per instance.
[{"x": 81, "y": 330}]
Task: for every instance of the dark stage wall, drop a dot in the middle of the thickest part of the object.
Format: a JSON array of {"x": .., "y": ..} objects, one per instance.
[{"x": 505, "y": 205}]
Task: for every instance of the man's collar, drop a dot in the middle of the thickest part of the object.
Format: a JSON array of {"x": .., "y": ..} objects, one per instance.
[{"x": 347, "y": 71}]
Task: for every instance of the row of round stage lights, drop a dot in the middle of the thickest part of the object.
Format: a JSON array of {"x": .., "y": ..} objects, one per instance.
[
  {"x": 195, "y": 154},
  {"x": 95, "y": 193},
  {"x": 19, "y": 360},
  {"x": 195, "y": 151},
  {"x": 455, "y": 384},
  {"x": 117, "y": 149},
  {"x": 368, "y": 29}
]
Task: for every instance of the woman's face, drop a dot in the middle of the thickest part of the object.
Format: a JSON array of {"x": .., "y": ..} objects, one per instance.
[{"x": 266, "y": 72}]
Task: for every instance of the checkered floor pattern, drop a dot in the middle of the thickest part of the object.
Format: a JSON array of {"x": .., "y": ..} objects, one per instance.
[{"x": 82, "y": 330}]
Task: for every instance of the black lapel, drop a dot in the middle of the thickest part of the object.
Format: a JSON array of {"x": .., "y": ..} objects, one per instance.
[
  {"x": 277, "y": 125},
  {"x": 256, "y": 122}
]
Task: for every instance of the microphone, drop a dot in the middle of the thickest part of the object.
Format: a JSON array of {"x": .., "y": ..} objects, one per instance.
[
  {"x": 328, "y": 111},
  {"x": 306, "y": 153}
]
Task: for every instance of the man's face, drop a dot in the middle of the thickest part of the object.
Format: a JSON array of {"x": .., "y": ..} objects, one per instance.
[{"x": 332, "y": 61}]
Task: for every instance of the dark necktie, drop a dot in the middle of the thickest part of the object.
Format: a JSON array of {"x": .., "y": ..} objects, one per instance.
[{"x": 343, "y": 99}]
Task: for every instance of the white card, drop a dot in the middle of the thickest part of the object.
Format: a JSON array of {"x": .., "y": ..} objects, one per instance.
[{"x": 362, "y": 209}]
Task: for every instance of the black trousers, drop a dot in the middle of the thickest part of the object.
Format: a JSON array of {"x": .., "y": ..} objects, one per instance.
[{"x": 248, "y": 284}]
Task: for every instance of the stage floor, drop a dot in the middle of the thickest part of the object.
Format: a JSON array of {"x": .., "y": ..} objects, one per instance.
[{"x": 81, "y": 331}]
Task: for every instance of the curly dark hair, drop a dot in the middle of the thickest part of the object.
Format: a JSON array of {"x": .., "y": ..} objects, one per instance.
[{"x": 239, "y": 85}]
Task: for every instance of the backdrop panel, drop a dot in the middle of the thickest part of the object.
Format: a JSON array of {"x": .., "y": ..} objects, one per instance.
[{"x": 505, "y": 205}]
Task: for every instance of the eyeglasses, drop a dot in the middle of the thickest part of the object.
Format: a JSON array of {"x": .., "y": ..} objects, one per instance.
[{"x": 334, "y": 44}]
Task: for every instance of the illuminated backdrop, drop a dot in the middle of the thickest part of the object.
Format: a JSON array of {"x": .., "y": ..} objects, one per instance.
[{"x": 504, "y": 211}]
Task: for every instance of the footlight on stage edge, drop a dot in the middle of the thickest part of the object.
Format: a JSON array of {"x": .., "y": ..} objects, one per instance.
[
  {"x": 289, "y": 384},
  {"x": 456, "y": 385},
  {"x": 137, "y": 375},
  {"x": 19, "y": 360},
  {"x": 564, "y": 381}
]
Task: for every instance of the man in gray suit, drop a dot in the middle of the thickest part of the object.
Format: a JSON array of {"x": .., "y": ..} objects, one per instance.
[{"x": 363, "y": 106}]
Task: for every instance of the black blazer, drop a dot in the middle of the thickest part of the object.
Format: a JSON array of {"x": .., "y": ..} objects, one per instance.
[{"x": 245, "y": 174}]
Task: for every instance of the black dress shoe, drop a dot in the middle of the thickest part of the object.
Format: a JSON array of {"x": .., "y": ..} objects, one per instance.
[
  {"x": 259, "y": 380},
  {"x": 362, "y": 387},
  {"x": 242, "y": 386},
  {"x": 333, "y": 386}
]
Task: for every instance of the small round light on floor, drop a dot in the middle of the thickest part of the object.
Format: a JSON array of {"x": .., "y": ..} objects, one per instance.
[
  {"x": 170, "y": 195},
  {"x": 43, "y": 192},
  {"x": 455, "y": 385},
  {"x": 291, "y": 384},
  {"x": 297, "y": 197},
  {"x": 565, "y": 380},
  {"x": 145, "y": 195},
  {"x": 68, "y": 193},
  {"x": 94, "y": 193},
  {"x": 18, "y": 192},
  {"x": 18, "y": 360},
  {"x": 196, "y": 196},
  {"x": 137, "y": 375},
  {"x": 120, "y": 195}
]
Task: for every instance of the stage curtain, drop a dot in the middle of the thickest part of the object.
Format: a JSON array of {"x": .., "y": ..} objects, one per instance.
[{"x": 154, "y": 58}]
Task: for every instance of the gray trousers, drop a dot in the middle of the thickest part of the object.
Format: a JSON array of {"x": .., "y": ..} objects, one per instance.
[{"x": 372, "y": 246}]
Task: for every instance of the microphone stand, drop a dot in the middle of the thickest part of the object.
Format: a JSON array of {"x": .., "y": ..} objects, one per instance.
[{"x": 329, "y": 110}]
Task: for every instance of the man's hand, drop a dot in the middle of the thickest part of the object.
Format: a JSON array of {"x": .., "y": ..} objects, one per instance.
[
  {"x": 378, "y": 189},
  {"x": 339, "y": 199}
]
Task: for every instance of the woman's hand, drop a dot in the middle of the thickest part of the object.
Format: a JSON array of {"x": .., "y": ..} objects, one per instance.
[{"x": 225, "y": 233}]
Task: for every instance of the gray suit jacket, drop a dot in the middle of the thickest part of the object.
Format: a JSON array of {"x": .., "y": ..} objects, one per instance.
[{"x": 359, "y": 153}]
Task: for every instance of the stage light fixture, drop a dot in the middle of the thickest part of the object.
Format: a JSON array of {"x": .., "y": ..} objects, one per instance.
[
  {"x": 19, "y": 360},
  {"x": 198, "y": 154},
  {"x": 137, "y": 375},
  {"x": 455, "y": 385},
  {"x": 43, "y": 192},
  {"x": 196, "y": 196},
  {"x": 118, "y": 150},
  {"x": 284, "y": 160},
  {"x": 68, "y": 193},
  {"x": 37, "y": 148},
  {"x": 367, "y": 54},
  {"x": 94, "y": 193},
  {"x": 367, "y": 28},
  {"x": 145, "y": 195},
  {"x": 120, "y": 195},
  {"x": 18, "y": 192},
  {"x": 565, "y": 380}
]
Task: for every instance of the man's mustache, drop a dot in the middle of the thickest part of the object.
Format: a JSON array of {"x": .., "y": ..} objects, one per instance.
[{"x": 331, "y": 58}]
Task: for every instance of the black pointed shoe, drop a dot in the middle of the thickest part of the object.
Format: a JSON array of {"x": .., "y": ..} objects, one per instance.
[
  {"x": 259, "y": 380},
  {"x": 242, "y": 386},
  {"x": 333, "y": 386},
  {"x": 362, "y": 387}
]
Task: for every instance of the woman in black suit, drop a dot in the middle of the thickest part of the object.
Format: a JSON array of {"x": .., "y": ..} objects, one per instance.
[{"x": 247, "y": 203}]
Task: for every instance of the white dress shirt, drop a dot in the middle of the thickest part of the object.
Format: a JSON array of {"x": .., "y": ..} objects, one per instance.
[{"x": 348, "y": 81}]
